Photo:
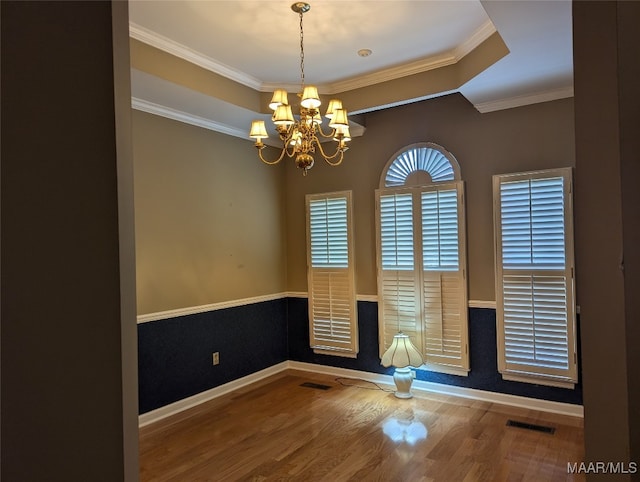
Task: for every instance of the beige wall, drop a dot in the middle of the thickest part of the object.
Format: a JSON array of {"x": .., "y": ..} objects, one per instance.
[
  {"x": 533, "y": 137},
  {"x": 209, "y": 217}
]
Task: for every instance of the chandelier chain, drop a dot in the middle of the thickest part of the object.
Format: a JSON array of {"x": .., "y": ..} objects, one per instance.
[{"x": 301, "y": 53}]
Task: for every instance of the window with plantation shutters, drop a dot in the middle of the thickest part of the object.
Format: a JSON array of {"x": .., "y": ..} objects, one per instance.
[
  {"x": 333, "y": 327},
  {"x": 535, "y": 277},
  {"x": 422, "y": 289}
]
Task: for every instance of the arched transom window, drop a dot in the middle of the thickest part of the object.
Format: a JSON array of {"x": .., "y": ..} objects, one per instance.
[
  {"x": 421, "y": 254},
  {"x": 419, "y": 164}
]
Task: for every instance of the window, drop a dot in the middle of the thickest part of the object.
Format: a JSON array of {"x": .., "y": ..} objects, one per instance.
[
  {"x": 333, "y": 325},
  {"x": 422, "y": 256},
  {"x": 535, "y": 277}
]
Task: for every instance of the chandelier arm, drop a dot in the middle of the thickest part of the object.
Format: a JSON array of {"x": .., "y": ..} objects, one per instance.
[
  {"x": 329, "y": 159},
  {"x": 330, "y": 134},
  {"x": 338, "y": 162},
  {"x": 271, "y": 163},
  {"x": 292, "y": 149}
]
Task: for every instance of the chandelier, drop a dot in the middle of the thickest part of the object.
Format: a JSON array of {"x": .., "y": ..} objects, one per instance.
[{"x": 301, "y": 137}]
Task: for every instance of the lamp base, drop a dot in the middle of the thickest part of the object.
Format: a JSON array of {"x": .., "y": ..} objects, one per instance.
[{"x": 403, "y": 378}]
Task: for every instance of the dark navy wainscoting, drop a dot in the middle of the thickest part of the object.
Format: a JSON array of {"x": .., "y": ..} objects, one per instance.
[
  {"x": 175, "y": 355},
  {"x": 483, "y": 354}
]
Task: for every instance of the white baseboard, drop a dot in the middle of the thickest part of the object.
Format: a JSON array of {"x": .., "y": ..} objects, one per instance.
[
  {"x": 189, "y": 402},
  {"x": 462, "y": 392},
  {"x": 430, "y": 387}
]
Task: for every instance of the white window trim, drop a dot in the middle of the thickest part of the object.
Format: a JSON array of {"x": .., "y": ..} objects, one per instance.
[
  {"x": 558, "y": 378},
  {"x": 339, "y": 347}
]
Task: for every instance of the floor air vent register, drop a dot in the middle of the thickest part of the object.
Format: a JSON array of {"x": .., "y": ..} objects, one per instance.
[
  {"x": 317, "y": 386},
  {"x": 531, "y": 426}
]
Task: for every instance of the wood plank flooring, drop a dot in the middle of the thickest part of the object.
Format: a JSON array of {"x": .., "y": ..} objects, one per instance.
[{"x": 278, "y": 430}]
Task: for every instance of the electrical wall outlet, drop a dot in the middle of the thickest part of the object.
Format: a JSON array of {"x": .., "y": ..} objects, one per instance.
[{"x": 216, "y": 358}]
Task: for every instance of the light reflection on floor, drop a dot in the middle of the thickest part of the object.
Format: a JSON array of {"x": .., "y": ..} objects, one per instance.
[{"x": 404, "y": 428}]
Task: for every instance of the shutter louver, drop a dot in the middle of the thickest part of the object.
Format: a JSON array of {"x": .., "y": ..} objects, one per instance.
[
  {"x": 533, "y": 224},
  {"x": 332, "y": 311},
  {"x": 396, "y": 225},
  {"x": 328, "y": 222},
  {"x": 440, "y": 230},
  {"x": 535, "y": 322},
  {"x": 535, "y": 285},
  {"x": 398, "y": 306},
  {"x": 444, "y": 318}
]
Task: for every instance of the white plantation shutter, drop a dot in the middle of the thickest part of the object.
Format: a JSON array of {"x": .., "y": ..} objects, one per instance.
[
  {"x": 534, "y": 282},
  {"x": 440, "y": 229},
  {"x": 399, "y": 300},
  {"x": 443, "y": 277},
  {"x": 421, "y": 283},
  {"x": 332, "y": 305}
]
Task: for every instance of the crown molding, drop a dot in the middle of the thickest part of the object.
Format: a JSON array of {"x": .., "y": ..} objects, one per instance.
[
  {"x": 393, "y": 73},
  {"x": 180, "y": 116},
  {"x": 172, "y": 47},
  {"x": 522, "y": 100},
  {"x": 385, "y": 75},
  {"x": 483, "y": 33}
]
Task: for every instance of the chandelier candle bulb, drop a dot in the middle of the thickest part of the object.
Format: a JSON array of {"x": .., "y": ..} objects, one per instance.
[
  {"x": 342, "y": 134},
  {"x": 300, "y": 135}
]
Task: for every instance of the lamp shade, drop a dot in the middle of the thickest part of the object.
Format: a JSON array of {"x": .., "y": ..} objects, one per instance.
[
  {"x": 333, "y": 105},
  {"x": 310, "y": 97},
  {"x": 258, "y": 130},
  {"x": 279, "y": 98},
  {"x": 339, "y": 119},
  {"x": 401, "y": 353},
  {"x": 283, "y": 115}
]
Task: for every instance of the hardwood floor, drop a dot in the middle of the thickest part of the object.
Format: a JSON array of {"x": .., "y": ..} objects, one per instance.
[{"x": 280, "y": 430}]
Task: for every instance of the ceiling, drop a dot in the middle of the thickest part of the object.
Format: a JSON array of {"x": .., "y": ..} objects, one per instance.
[{"x": 256, "y": 45}]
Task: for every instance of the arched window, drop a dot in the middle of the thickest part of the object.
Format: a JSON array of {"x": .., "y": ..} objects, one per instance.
[
  {"x": 419, "y": 164},
  {"x": 421, "y": 251}
]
